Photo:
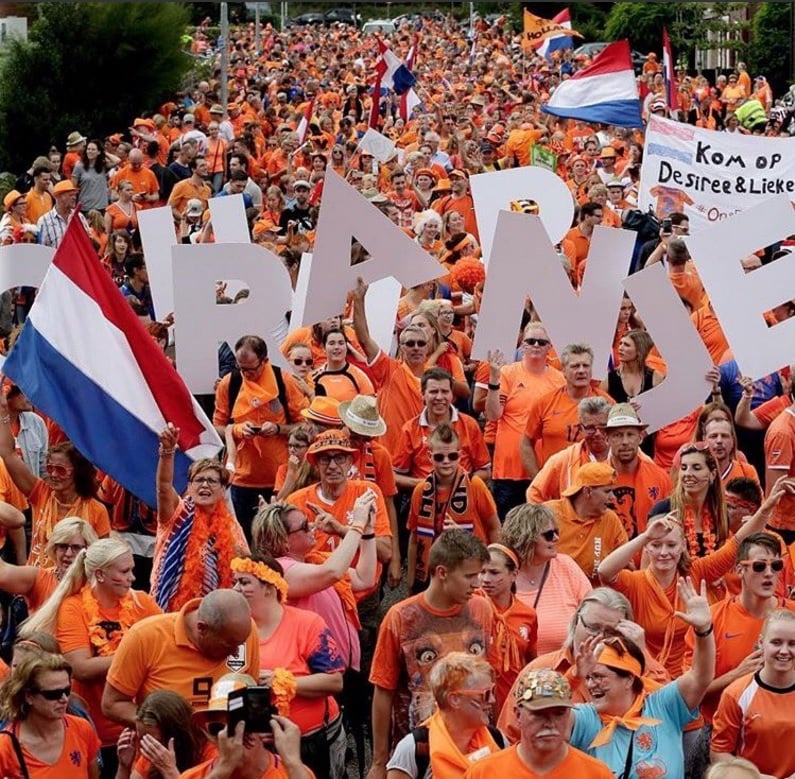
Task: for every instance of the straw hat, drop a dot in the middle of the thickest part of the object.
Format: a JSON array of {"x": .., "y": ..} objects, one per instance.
[{"x": 361, "y": 416}]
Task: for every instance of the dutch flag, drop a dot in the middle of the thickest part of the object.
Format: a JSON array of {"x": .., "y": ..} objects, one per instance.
[
  {"x": 559, "y": 41},
  {"x": 84, "y": 358},
  {"x": 604, "y": 92},
  {"x": 393, "y": 74}
]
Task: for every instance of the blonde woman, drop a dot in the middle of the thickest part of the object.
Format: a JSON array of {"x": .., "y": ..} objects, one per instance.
[{"x": 89, "y": 613}]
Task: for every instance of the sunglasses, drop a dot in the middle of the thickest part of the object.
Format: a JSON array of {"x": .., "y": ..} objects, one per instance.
[
  {"x": 412, "y": 344},
  {"x": 760, "y": 566},
  {"x": 536, "y": 341},
  {"x": 298, "y": 361},
  {"x": 210, "y": 481},
  {"x": 302, "y": 528},
  {"x": 58, "y": 470},
  {"x": 484, "y": 697},
  {"x": 294, "y": 445},
  {"x": 338, "y": 459},
  {"x": 550, "y": 535},
  {"x": 76, "y": 548},
  {"x": 439, "y": 457},
  {"x": 54, "y": 695}
]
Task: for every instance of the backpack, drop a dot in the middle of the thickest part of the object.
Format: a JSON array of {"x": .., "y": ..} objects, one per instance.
[
  {"x": 422, "y": 752},
  {"x": 236, "y": 382},
  {"x": 16, "y": 612}
]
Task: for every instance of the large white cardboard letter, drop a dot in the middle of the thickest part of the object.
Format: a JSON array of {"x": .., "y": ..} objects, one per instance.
[{"x": 740, "y": 298}]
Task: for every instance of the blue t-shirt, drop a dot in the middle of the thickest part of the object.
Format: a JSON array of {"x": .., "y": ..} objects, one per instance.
[
  {"x": 658, "y": 748},
  {"x": 731, "y": 389}
]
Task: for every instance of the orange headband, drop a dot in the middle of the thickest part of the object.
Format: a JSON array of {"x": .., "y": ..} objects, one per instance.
[
  {"x": 509, "y": 553},
  {"x": 261, "y": 572},
  {"x": 609, "y": 657}
]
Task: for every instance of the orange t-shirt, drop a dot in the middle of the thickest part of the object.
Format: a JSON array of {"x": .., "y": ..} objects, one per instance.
[
  {"x": 766, "y": 412},
  {"x": 258, "y": 402},
  {"x": 73, "y": 633},
  {"x": 518, "y": 389},
  {"x": 303, "y": 644},
  {"x": 465, "y": 206},
  {"x": 737, "y": 468},
  {"x": 156, "y": 654},
  {"x": 142, "y": 180},
  {"x": 374, "y": 463},
  {"x": 654, "y": 606},
  {"x": 303, "y": 335},
  {"x": 558, "y": 472},
  {"x": 636, "y": 493},
  {"x": 399, "y": 396},
  {"x": 553, "y": 421},
  {"x": 276, "y": 770},
  {"x": 708, "y": 326},
  {"x": 780, "y": 455},
  {"x": 581, "y": 244},
  {"x": 47, "y": 512},
  {"x": 43, "y": 587},
  {"x": 413, "y": 458},
  {"x": 755, "y": 721},
  {"x": 587, "y": 541},
  {"x": 37, "y": 205},
  {"x": 343, "y": 385},
  {"x": 736, "y": 635},
  {"x": 668, "y": 439},
  {"x": 187, "y": 190},
  {"x": 507, "y": 762},
  {"x": 469, "y": 509},
  {"x": 80, "y": 750},
  {"x": 688, "y": 285}
]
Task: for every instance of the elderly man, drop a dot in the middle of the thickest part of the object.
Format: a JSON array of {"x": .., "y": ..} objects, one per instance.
[
  {"x": 184, "y": 651},
  {"x": 589, "y": 529},
  {"x": 552, "y": 421},
  {"x": 558, "y": 471},
  {"x": 52, "y": 225},
  {"x": 543, "y": 704}
]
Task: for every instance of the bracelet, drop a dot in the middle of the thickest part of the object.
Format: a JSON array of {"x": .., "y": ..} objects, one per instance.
[
  {"x": 356, "y": 529},
  {"x": 278, "y": 429},
  {"x": 494, "y": 386},
  {"x": 368, "y": 536},
  {"x": 161, "y": 451},
  {"x": 705, "y": 633},
  {"x": 6, "y": 420}
]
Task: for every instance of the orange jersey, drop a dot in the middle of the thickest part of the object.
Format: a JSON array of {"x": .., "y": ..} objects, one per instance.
[
  {"x": 736, "y": 635},
  {"x": 275, "y": 770},
  {"x": 654, "y": 606},
  {"x": 156, "y": 654},
  {"x": 79, "y": 752},
  {"x": 509, "y": 763},
  {"x": 518, "y": 389},
  {"x": 766, "y": 412},
  {"x": 47, "y": 512},
  {"x": 780, "y": 456},
  {"x": 374, "y": 463},
  {"x": 399, "y": 396},
  {"x": 587, "y": 541},
  {"x": 43, "y": 587},
  {"x": 303, "y": 335},
  {"x": 558, "y": 472},
  {"x": 73, "y": 632},
  {"x": 736, "y": 469},
  {"x": 467, "y": 502},
  {"x": 413, "y": 458},
  {"x": 754, "y": 721},
  {"x": 343, "y": 385},
  {"x": 553, "y": 421},
  {"x": 636, "y": 493},
  {"x": 708, "y": 326}
]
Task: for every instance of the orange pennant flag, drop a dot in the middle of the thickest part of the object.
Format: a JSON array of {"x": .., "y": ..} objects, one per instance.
[{"x": 537, "y": 30}]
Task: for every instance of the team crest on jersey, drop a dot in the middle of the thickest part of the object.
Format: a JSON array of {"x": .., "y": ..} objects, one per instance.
[
  {"x": 524, "y": 632},
  {"x": 237, "y": 662}
]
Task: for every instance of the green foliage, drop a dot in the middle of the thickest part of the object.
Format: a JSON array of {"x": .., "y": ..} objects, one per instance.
[
  {"x": 90, "y": 67},
  {"x": 769, "y": 52},
  {"x": 642, "y": 23}
]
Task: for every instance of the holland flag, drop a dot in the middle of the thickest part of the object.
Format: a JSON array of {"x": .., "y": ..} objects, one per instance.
[
  {"x": 560, "y": 41},
  {"x": 303, "y": 125},
  {"x": 605, "y": 91},
  {"x": 668, "y": 72},
  {"x": 409, "y": 100},
  {"x": 84, "y": 358},
  {"x": 392, "y": 73}
]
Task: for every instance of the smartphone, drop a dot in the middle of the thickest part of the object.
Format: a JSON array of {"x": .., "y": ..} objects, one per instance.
[
  {"x": 667, "y": 226},
  {"x": 252, "y": 705}
]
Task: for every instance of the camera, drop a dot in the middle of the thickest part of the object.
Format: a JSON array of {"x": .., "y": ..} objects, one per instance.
[{"x": 252, "y": 705}]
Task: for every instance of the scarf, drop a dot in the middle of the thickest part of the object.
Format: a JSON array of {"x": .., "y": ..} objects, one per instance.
[
  {"x": 432, "y": 513},
  {"x": 447, "y": 760},
  {"x": 343, "y": 588},
  {"x": 631, "y": 720},
  {"x": 254, "y": 395},
  {"x": 505, "y": 641},
  {"x": 198, "y": 555}
]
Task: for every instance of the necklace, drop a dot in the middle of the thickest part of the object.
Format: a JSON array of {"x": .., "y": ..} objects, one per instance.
[{"x": 105, "y": 635}]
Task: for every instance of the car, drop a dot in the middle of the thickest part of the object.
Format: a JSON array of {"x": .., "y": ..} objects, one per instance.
[
  {"x": 590, "y": 50},
  {"x": 309, "y": 18},
  {"x": 344, "y": 15},
  {"x": 386, "y": 26}
]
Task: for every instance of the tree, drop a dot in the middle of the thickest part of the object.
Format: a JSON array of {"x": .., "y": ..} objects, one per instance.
[
  {"x": 90, "y": 67},
  {"x": 769, "y": 52}
]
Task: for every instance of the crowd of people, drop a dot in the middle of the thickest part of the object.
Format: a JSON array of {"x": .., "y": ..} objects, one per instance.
[{"x": 441, "y": 566}]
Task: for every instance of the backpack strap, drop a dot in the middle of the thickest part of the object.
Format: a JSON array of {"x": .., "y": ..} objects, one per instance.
[
  {"x": 422, "y": 750},
  {"x": 235, "y": 383},
  {"x": 281, "y": 391}
]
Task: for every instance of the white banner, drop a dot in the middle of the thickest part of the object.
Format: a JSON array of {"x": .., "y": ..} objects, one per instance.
[{"x": 711, "y": 175}]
